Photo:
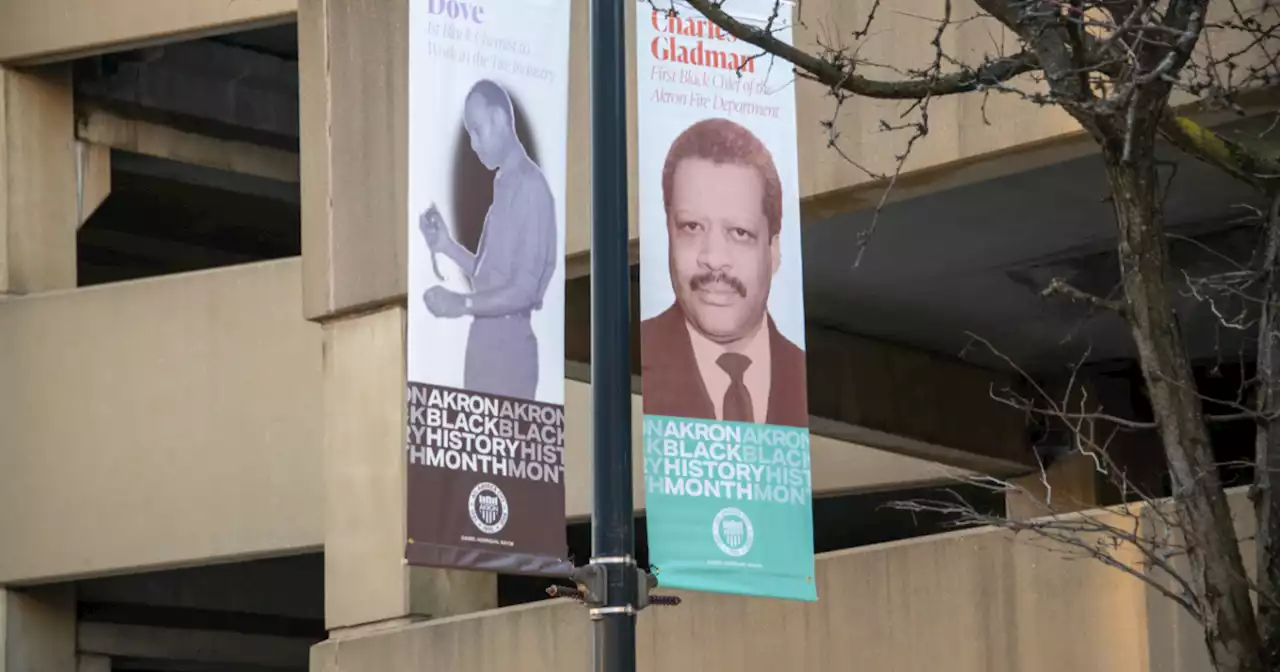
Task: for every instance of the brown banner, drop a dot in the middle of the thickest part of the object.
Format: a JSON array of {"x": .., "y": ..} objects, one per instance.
[
  {"x": 484, "y": 359},
  {"x": 486, "y": 482}
]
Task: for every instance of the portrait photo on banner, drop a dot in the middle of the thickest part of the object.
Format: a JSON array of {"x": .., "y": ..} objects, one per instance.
[
  {"x": 489, "y": 277},
  {"x": 722, "y": 325}
]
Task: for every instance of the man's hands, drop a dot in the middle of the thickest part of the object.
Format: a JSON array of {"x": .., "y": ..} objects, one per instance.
[
  {"x": 445, "y": 303},
  {"x": 441, "y": 302},
  {"x": 432, "y": 226}
]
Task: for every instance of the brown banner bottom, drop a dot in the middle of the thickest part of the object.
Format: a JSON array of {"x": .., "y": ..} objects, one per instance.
[
  {"x": 436, "y": 555},
  {"x": 485, "y": 482}
]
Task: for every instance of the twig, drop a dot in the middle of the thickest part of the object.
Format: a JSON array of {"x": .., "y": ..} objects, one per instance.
[{"x": 1060, "y": 286}]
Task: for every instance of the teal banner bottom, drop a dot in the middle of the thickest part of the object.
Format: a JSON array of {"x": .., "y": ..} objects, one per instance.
[{"x": 729, "y": 507}]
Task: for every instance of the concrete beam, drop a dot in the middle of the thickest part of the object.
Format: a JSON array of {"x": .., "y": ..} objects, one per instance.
[
  {"x": 237, "y": 91},
  {"x": 227, "y": 587},
  {"x": 106, "y": 129},
  {"x": 847, "y": 458},
  {"x": 201, "y": 176},
  {"x": 33, "y": 32},
  {"x": 905, "y": 392},
  {"x": 840, "y": 466},
  {"x": 200, "y": 646},
  {"x": 206, "y": 438},
  {"x": 872, "y": 393},
  {"x": 291, "y": 435},
  {"x": 184, "y": 254},
  {"x": 40, "y": 195},
  {"x": 93, "y": 663},
  {"x": 142, "y": 665},
  {"x": 908, "y": 446}
]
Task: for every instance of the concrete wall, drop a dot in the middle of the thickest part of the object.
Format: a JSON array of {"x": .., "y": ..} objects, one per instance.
[
  {"x": 159, "y": 422},
  {"x": 178, "y": 419},
  {"x": 973, "y": 601},
  {"x": 1177, "y": 641}
]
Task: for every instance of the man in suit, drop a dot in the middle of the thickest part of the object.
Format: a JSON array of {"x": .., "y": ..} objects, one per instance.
[
  {"x": 716, "y": 354},
  {"x": 515, "y": 258}
]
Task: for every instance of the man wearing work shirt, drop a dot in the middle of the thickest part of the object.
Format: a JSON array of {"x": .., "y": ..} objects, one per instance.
[{"x": 514, "y": 261}]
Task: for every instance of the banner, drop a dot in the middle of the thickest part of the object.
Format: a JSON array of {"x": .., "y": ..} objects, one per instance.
[
  {"x": 726, "y": 438},
  {"x": 488, "y": 125}
]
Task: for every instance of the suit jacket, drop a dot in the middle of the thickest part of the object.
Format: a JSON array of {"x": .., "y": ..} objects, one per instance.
[{"x": 673, "y": 386}]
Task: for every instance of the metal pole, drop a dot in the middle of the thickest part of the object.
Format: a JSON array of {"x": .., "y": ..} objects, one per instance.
[{"x": 612, "y": 522}]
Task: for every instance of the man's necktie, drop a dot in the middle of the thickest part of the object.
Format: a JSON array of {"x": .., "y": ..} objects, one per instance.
[{"x": 737, "y": 399}]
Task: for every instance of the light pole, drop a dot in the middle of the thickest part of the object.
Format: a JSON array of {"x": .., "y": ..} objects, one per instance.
[{"x": 612, "y": 520}]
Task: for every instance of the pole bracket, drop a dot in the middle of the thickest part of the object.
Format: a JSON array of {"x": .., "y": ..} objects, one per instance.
[{"x": 592, "y": 588}]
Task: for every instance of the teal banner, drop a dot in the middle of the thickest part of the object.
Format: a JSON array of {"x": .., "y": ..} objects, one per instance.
[
  {"x": 729, "y": 507},
  {"x": 723, "y": 369}
]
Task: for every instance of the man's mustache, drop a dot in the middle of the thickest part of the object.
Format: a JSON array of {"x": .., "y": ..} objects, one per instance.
[{"x": 703, "y": 279}]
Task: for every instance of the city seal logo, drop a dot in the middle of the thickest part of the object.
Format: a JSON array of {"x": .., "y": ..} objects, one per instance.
[
  {"x": 488, "y": 508},
  {"x": 733, "y": 532}
]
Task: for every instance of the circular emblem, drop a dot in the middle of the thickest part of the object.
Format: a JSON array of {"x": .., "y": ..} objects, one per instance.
[
  {"x": 732, "y": 532},
  {"x": 488, "y": 508}
]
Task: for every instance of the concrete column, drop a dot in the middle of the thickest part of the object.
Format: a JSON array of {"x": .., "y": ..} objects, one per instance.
[
  {"x": 1070, "y": 484},
  {"x": 40, "y": 191},
  {"x": 1127, "y": 465},
  {"x": 353, "y": 73},
  {"x": 354, "y": 130},
  {"x": 1138, "y": 453},
  {"x": 38, "y": 629},
  {"x": 366, "y": 581},
  {"x": 1068, "y": 480}
]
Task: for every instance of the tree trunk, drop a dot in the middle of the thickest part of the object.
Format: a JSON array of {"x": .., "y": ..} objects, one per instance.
[
  {"x": 1267, "y": 465},
  {"x": 1214, "y": 554}
]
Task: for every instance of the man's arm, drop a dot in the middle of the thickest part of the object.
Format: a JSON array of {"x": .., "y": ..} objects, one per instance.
[
  {"x": 432, "y": 226},
  {"x": 522, "y": 289},
  {"x": 459, "y": 254}
]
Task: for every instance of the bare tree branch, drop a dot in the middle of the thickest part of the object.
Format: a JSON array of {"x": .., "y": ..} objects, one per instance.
[
  {"x": 1083, "y": 532},
  {"x": 1060, "y": 286},
  {"x": 837, "y": 71},
  {"x": 1113, "y": 65}
]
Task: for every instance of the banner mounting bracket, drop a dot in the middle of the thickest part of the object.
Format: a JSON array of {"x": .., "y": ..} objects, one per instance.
[{"x": 592, "y": 588}]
